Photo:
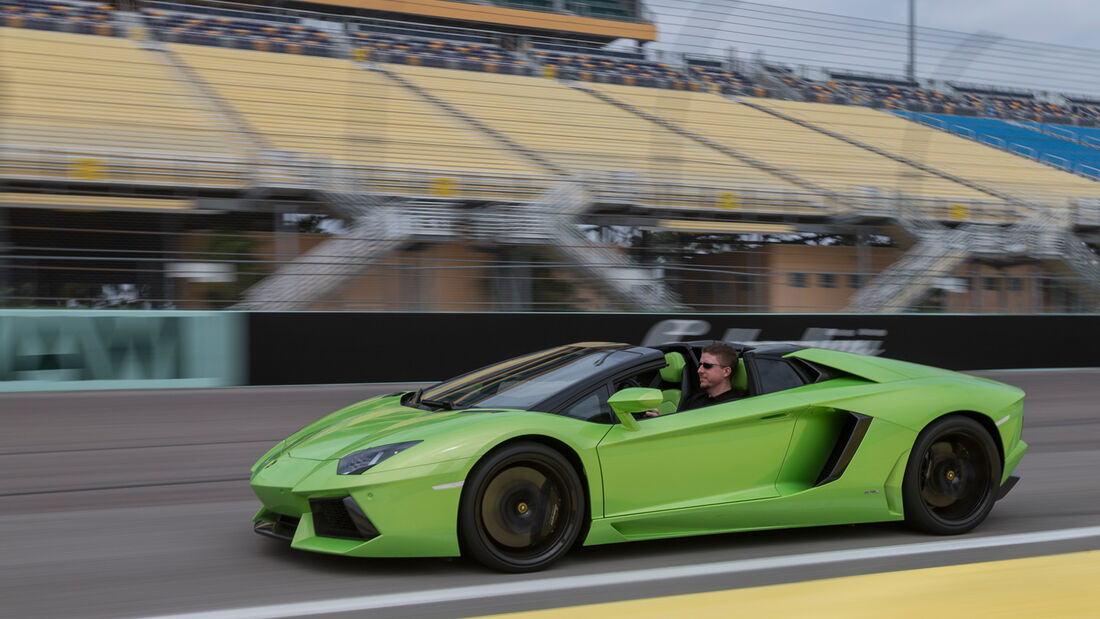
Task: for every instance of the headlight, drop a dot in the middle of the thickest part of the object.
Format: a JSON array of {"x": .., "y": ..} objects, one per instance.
[{"x": 356, "y": 463}]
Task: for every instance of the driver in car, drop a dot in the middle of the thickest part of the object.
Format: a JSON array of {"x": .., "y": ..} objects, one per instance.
[{"x": 716, "y": 366}]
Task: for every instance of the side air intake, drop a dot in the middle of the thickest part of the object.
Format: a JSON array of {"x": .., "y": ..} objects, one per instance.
[{"x": 851, "y": 435}]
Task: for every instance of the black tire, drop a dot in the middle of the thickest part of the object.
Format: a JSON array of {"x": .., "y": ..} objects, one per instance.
[
  {"x": 522, "y": 508},
  {"x": 952, "y": 477}
]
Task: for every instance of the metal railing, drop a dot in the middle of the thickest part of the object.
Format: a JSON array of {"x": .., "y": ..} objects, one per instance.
[
  {"x": 909, "y": 279},
  {"x": 46, "y": 276}
]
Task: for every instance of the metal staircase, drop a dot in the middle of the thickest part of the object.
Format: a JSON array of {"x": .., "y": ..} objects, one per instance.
[
  {"x": 349, "y": 204},
  {"x": 1076, "y": 256},
  {"x": 939, "y": 251},
  {"x": 309, "y": 277},
  {"x": 1082, "y": 260},
  {"x": 937, "y": 254},
  {"x": 379, "y": 228},
  {"x": 1054, "y": 243},
  {"x": 630, "y": 284}
]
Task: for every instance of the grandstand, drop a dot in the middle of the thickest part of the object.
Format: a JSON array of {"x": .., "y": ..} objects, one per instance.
[
  {"x": 839, "y": 166},
  {"x": 1068, "y": 149},
  {"x": 585, "y": 137},
  {"x": 220, "y": 30},
  {"x": 328, "y": 112},
  {"x": 76, "y": 104},
  {"x": 82, "y": 18},
  {"x": 503, "y": 129},
  {"x": 1017, "y": 176}
]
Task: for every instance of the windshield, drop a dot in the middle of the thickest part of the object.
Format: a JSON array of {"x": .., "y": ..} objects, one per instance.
[{"x": 527, "y": 381}]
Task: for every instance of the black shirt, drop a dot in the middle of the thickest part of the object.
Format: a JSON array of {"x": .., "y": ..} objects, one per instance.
[{"x": 701, "y": 398}]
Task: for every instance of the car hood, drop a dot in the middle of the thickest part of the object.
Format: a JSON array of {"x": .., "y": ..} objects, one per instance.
[{"x": 370, "y": 423}]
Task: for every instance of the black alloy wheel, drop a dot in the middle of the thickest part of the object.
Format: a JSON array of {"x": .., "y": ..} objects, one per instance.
[
  {"x": 522, "y": 508},
  {"x": 952, "y": 476}
]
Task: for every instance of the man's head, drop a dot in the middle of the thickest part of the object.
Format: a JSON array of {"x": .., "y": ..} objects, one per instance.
[{"x": 716, "y": 366}]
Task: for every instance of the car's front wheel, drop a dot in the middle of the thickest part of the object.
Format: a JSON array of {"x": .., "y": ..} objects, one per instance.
[
  {"x": 522, "y": 508},
  {"x": 952, "y": 476}
]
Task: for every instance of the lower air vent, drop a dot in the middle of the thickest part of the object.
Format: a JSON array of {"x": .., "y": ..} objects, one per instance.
[
  {"x": 282, "y": 527},
  {"x": 341, "y": 518}
]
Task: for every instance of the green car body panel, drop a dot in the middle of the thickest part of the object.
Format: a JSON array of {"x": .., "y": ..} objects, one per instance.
[{"x": 762, "y": 462}]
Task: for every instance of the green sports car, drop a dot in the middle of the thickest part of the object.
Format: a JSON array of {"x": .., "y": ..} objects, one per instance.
[{"x": 515, "y": 463}]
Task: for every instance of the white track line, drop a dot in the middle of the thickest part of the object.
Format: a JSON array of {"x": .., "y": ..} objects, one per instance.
[{"x": 435, "y": 596}]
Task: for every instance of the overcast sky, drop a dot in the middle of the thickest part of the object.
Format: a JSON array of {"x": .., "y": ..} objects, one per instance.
[
  {"x": 1064, "y": 22},
  {"x": 1033, "y": 44}
]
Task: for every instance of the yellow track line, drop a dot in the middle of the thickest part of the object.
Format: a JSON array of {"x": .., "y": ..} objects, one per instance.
[{"x": 1061, "y": 586}]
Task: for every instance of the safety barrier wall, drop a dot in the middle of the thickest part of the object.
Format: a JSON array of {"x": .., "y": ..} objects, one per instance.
[
  {"x": 298, "y": 348},
  {"x": 89, "y": 349}
]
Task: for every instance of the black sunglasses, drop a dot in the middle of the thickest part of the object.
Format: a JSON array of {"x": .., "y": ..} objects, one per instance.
[{"x": 708, "y": 365}]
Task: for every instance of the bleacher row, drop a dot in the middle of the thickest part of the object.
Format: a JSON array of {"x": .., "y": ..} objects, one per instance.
[
  {"x": 219, "y": 30},
  {"x": 430, "y": 52},
  {"x": 84, "y": 18},
  {"x": 151, "y": 111},
  {"x": 407, "y": 45},
  {"x": 1076, "y": 149}
]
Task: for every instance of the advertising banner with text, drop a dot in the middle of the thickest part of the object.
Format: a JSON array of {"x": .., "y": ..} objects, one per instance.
[{"x": 299, "y": 348}]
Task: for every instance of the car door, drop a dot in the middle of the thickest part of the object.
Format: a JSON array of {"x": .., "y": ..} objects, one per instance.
[{"x": 708, "y": 456}]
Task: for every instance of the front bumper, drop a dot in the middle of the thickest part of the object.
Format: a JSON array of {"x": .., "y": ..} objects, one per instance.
[
  {"x": 275, "y": 525},
  {"x": 410, "y": 512}
]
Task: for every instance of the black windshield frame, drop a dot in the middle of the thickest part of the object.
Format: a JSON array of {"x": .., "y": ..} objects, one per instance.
[{"x": 538, "y": 381}]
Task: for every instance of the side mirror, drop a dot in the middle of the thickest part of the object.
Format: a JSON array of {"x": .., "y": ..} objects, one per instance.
[{"x": 634, "y": 400}]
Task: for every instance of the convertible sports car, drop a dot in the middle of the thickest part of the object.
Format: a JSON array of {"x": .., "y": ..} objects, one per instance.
[{"x": 517, "y": 462}]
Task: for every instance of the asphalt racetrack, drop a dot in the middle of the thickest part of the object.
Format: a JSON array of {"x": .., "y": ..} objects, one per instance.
[{"x": 136, "y": 503}]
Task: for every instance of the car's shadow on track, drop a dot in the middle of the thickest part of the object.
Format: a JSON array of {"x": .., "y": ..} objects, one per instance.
[
  {"x": 269, "y": 550},
  {"x": 599, "y": 559}
]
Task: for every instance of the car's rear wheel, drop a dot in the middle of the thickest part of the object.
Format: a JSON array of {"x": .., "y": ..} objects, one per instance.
[
  {"x": 952, "y": 476},
  {"x": 522, "y": 508}
]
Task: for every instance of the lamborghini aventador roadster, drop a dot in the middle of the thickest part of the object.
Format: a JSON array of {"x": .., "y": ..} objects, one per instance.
[{"x": 515, "y": 463}]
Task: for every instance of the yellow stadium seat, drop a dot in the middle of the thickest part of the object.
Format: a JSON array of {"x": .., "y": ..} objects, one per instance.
[
  {"x": 823, "y": 160},
  {"x": 979, "y": 163},
  {"x": 331, "y": 110},
  {"x": 587, "y": 136},
  {"x": 81, "y": 97}
]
